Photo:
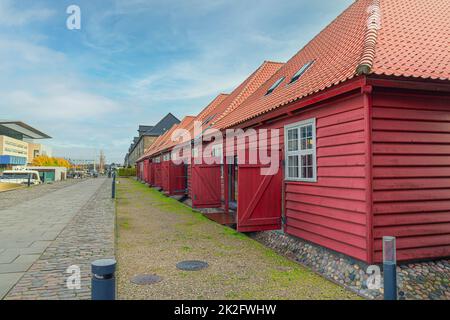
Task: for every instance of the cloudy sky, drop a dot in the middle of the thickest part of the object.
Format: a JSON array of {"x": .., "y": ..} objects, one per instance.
[{"x": 135, "y": 60}]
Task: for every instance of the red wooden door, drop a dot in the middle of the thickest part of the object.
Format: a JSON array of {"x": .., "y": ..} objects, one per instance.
[
  {"x": 177, "y": 179},
  {"x": 158, "y": 174},
  {"x": 165, "y": 165},
  {"x": 145, "y": 171},
  {"x": 259, "y": 199},
  {"x": 152, "y": 173},
  {"x": 205, "y": 186}
]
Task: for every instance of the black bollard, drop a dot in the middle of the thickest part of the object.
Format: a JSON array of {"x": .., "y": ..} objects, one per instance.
[
  {"x": 29, "y": 179},
  {"x": 389, "y": 268},
  {"x": 114, "y": 185},
  {"x": 103, "y": 279}
]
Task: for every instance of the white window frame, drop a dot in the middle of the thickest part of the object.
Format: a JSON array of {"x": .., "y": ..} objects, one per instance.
[
  {"x": 166, "y": 156},
  {"x": 299, "y": 152}
]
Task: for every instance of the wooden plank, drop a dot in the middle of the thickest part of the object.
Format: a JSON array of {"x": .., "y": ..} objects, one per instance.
[
  {"x": 341, "y": 236},
  {"x": 320, "y": 200},
  {"x": 411, "y": 137},
  {"x": 340, "y": 193},
  {"x": 411, "y": 172},
  {"x": 410, "y": 149},
  {"x": 410, "y": 207},
  {"x": 341, "y": 161},
  {"x": 330, "y": 243},
  {"x": 341, "y": 172},
  {"x": 340, "y": 128},
  {"x": 411, "y": 160},
  {"x": 415, "y": 126},
  {"x": 339, "y": 225},
  {"x": 413, "y": 183},
  {"x": 347, "y": 182},
  {"x": 343, "y": 139},
  {"x": 412, "y": 230},
  {"x": 402, "y": 114},
  {"x": 331, "y": 213},
  {"x": 411, "y": 195},
  {"x": 411, "y": 218},
  {"x": 351, "y": 149}
]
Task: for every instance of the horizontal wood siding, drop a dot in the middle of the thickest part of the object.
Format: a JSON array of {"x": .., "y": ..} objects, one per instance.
[
  {"x": 332, "y": 211},
  {"x": 411, "y": 158}
]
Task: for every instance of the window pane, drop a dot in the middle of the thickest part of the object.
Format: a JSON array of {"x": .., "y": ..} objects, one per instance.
[
  {"x": 293, "y": 166},
  {"x": 293, "y": 139},
  {"x": 309, "y": 172}
]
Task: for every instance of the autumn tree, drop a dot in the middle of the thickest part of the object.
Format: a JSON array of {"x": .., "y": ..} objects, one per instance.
[{"x": 45, "y": 161}]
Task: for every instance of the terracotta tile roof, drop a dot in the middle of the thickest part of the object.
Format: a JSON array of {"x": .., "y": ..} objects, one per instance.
[
  {"x": 165, "y": 142},
  {"x": 246, "y": 89},
  {"x": 413, "y": 41}
]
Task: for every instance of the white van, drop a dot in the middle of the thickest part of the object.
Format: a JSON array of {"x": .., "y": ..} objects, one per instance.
[{"x": 20, "y": 177}]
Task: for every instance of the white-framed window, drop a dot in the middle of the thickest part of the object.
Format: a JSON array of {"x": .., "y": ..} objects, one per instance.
[
  {"x": 157, "y": 160},
  {"x": 300, "y": 151},
  {"x": 166, "y": 157}
]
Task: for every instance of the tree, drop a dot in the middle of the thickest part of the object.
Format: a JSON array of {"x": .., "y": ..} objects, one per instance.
[{"x": 45, "y": 161}]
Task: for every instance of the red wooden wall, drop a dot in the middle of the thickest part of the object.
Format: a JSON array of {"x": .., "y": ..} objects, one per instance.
[
  {"x": 411, "y": 158},
  {"x": 165, "y": 175},
  {"x": 332, "y": 211},
  {"x": 157, "y": 177}
]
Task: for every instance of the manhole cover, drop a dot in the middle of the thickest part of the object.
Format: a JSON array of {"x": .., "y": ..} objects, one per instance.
[
  {"x": 192, "y": 265},
  {"x": 146, "y": 279}
]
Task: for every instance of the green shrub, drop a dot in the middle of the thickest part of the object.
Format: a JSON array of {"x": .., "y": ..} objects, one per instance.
[{"x": 127, "y": 172}]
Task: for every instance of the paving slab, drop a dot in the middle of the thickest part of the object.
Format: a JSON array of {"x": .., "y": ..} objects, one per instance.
[{"x": 33, "y": 218}]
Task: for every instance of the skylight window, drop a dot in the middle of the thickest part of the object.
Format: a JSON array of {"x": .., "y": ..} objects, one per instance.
[
  {"x": 208, "y": 120},
  {"x": 275, "y": 85},
  {"x": 302, "y": 70}
]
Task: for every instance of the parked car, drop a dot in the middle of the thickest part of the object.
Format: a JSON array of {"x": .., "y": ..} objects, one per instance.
[{"x": 20, "y": 177}]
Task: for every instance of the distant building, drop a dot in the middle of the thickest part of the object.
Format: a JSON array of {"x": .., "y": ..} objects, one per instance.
[
  {"x": 147, "y": 135},
  {"x": 36, "y": 150},
  {"x": 17, "y": 145}
]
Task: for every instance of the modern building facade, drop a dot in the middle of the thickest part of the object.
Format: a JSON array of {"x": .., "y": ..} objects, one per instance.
[{"x": 17, "y": 146}]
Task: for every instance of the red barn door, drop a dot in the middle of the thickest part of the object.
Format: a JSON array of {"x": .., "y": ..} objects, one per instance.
[
  {"x": 158, "y": 174},
  {"x": 150, "y": 172},
  {"x": 165, "y": 165},
  {"x": 206, "y": 185},
  {"x": 259, "y": 202},
  {"x": 177, "y": 178}
]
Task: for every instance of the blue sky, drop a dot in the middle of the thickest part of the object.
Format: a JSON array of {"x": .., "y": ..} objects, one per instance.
[{"x": 135, "y": 60}]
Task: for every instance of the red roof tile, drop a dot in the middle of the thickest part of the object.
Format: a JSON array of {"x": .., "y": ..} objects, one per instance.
[{"x": 413, "y": 42}]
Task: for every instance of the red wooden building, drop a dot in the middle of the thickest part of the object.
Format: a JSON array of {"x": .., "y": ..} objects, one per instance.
[
  {"x": 207, "y": 180},
  {"x": 363, "y": 112}
]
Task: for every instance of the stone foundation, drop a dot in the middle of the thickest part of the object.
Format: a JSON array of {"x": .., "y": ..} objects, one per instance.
[{"x": 424, "y": 280}]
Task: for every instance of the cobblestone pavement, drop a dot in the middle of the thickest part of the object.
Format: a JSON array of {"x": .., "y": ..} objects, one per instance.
[
  {"x": 14, "y": 197},
  {"x": 42, "y": 237}
]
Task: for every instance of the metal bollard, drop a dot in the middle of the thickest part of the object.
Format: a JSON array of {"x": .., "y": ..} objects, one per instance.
[
  {"x": 103, "y": 279},
  {"x": 29, "y": 180},
  {"x": 114, "y": 186},
  {"x": 389, "y": 268}
]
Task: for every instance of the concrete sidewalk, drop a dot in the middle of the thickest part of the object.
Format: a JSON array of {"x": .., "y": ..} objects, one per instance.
[{"x": 29, "y": 228}]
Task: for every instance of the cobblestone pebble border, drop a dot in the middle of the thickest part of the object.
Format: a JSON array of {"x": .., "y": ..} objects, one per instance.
[{"x": 416, "y": 281}]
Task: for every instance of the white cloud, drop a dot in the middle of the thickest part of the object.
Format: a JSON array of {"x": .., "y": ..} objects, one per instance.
[{"x": 12, "y": 16}]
